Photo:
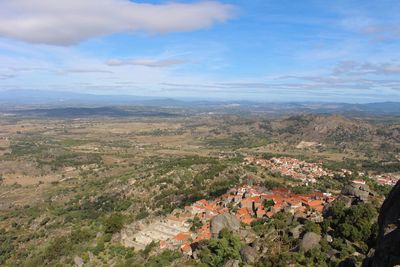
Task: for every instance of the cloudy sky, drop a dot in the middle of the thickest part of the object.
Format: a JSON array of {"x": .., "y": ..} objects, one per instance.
[{"x": 264, "y": 50}]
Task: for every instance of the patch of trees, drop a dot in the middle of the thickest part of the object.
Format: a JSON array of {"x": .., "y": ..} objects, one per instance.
[
  {"x": 196, "y": 224},
  {"x": 114, "y": 223},
  {"x": 215, "y": 252},
  {"x": 355, "y": 223}
]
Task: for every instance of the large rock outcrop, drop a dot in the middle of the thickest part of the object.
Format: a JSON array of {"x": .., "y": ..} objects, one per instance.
[
  {"x": 225, "y": 220},
  {"x": 359, "y": 191},
  {"x": 249, "y": 254},
  {"x": 310, "y": 240},
  {"x": 231, "y": 263},
  {"x": 387, "y": 251},
  {"x": 296, "y": 231},
  {"x": 351, "y": 195}
]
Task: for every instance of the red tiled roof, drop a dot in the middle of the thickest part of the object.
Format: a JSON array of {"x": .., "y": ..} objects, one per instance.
[
  {"x": 261, "y": 212},
  {"x": 202, "y": 236},
  {"x": 186, "y": 248},
  {"x": 211, "y": 208},
  {"x": 242, "y": 212},
  {"x": 247, "y": 219},
  {"x": 183, "y": 236},
  {"x": 313, "y": 203}
]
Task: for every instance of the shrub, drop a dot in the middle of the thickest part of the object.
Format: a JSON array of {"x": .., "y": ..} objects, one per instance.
[
  {"x": 217, "y": 251},
  {"x": 114, "y": 223},
  {"x": 310, "y": 226}
]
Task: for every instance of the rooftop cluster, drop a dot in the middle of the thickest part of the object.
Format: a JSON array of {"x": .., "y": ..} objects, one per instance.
[
  {"x": 247, "y": 203},
  {"x": 294, "y": 168},
  {"x": 386, "y": 179}
]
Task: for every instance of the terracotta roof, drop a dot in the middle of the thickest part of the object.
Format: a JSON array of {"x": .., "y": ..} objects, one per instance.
[
  {"x": 186, "y": 248},
  {"x": 313, "y": 203},
  {"x": 202, "y": 236},
  {"x": 183, "y": 236},
  {"x": 261, "y": 212},
  {"x": 278, "y": 199},
  {"x": 211, "y": 208},
  {"x": 247, "y": 219},
  {"x": 242, "y": 212}
]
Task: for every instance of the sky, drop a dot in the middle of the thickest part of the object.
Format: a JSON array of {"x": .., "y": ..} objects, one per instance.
[{"x": 256, "y": 50}]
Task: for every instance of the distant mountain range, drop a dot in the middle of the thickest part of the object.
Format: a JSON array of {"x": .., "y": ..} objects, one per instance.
[
  {"x": 29, "y": 99},
  {"x": 57, "y": 98}
]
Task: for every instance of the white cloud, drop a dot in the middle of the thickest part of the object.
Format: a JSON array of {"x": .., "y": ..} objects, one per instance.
[
  {"x": 356, "y": 68},
  {"x": 146, "y": 62},
  {"x": 66, "y": 22}
]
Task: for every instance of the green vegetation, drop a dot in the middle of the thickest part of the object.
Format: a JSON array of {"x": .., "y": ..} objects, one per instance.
[
  {"x": 69, "y": 186},
  {"x": 196, "y": 223},
  {"x": 354, "y": 223},
  {"x": 113, "y": 224},
  {"x": 215, "y": 252}
]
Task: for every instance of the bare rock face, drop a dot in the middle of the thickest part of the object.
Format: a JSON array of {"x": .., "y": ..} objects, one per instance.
[
  {"x": 249, "y": 254},
  {"x": 247, "y": 235},
  {"x": 310, "y": 240},
  {"x": 78, "y": 261},
  {"x": 231, "y": 263},
  {"x": 359, "y": 191},
  {"x": 225, "y": 220},
  {"x": 387, "y": 251},
  {"x": 296, "y": 231}
]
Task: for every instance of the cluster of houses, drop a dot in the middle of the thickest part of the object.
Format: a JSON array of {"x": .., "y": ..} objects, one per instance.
[
  {"x": 291, "y": 167},
  {"x": 387, "y": 179},
  {"x": 382, "y": 179},
  {"x": 247, "y": 203},
  {"x": 185, "y": 227},
  {"x": 297, "y": 169}
]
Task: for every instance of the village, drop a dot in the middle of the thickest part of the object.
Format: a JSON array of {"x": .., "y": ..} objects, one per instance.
[
  {"x": 310, "y": 172},
  {"x": 297, "y": 169},
  {"x": 184, "y": 228},
  {"x": 386, "y": 179}
]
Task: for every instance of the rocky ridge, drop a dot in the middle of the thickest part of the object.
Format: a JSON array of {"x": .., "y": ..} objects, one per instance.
[{"x": 387, "y": 250}]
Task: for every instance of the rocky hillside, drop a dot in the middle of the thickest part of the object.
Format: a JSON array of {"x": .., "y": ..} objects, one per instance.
[
  {"x": 324, "y": 128},
  {"x": 387, "y": 251},
  {"x": 338, "y": 131}
]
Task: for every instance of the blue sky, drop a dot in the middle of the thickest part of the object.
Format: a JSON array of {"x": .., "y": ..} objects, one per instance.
[{"x": 264, "y": 50}]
